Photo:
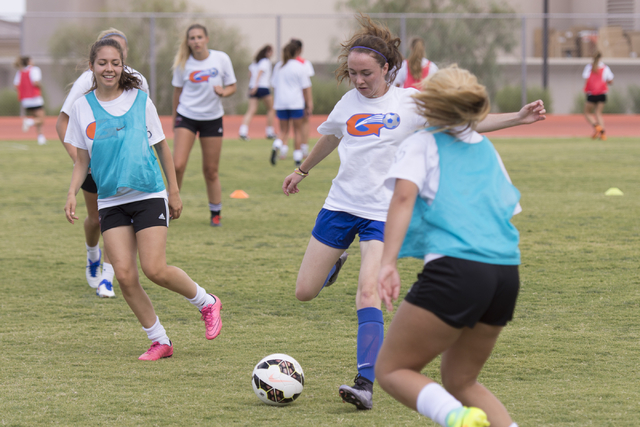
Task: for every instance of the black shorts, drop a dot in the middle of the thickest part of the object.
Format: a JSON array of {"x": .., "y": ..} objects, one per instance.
[
  {"x": 89, "y": 185},
  {"x": 462, "y": 292},
  {"x": 594, "y": 99},
  {"x": 141, "y": 215},
  {"x": 260, "y": 93},
  {"x": 205, "y": 127},
  {"x": 31, "y": 111}
]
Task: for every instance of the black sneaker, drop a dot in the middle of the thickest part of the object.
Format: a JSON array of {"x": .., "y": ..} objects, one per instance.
[
  {"x": 244, "y": 137},
  {"x": 360, "y": 395},
  {"x": 339, "y": 264},
  {"x": 274, "y": 156}
]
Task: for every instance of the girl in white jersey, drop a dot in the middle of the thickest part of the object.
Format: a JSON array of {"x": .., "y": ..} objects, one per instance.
[
  {"x": 97, "y": 278},
  {"x": 201, "y": 78},
  {"x": 259, "y": 83},
  {"x": 415, "y": 68},
  {"x": 366, "y": 127},
  {"x": 454, "y": 200},
  {"x": 113, "y": 128}
]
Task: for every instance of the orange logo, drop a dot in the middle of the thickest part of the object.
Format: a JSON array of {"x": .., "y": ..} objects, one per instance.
[
  {"x": 91, "y": 130},
  {"x": 371, "y": 124}
]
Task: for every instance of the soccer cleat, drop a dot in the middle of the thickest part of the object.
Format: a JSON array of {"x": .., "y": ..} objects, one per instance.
[
  {"x": 211, "y": 317},
  {"x": 105, "y": 289},
  {"x": 603, "y": 136},
  {"x": 274, "y": 156},
  {"x": 157, "y": 351},
  {"x": 271, "y": 136},
  {"x": 466, "y": 417},
  {"x": 42, "y": 140},
  {"x": 244, "y": 138},
  {"x": 26, "y": 124},
  {"x": 597, "y": 130},
  {"x": 215, "y": 221},
  {"x": 332, "y": 279},
  {"x": 298, "y": 163},
  {"x": 92, "y": 272},
  {"x": 360, "y": 395}
]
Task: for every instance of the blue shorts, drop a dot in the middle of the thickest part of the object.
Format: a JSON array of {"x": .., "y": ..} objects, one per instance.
[
  {"x": 290, "y": 114},
  {"x": 339, "y": 229},
  {"x": 261, "y": 93}
]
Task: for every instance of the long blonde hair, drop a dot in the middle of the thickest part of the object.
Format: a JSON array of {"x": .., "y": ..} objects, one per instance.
[
  {"x": 596, "y": 61},
  {"x": 452, "y": 97},
  {"x": 415, "y": 58},
  {"x": 184, "y": 50}
]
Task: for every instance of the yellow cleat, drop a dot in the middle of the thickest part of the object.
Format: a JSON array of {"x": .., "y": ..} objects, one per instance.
[{"x": 467, "y": 417}]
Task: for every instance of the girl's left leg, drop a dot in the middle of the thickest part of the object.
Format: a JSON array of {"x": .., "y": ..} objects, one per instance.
[
  {"x": 600, "y": 120},
  {"x": 370, "y": 326},
  {"x": 38, "y": 121},
  {"x": 284, "y": 138},
  {"x": 271, "y": 115},
  {"x": 211, "y": 150},
  {"x": 251, "y": 110},
  {"x": 298, "y": 136}
]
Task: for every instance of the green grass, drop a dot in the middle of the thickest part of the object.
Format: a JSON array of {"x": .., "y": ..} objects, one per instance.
[{"x": 569, "y": 358}]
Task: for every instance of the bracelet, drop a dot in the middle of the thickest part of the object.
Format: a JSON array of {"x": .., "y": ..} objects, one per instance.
[{"x": 301, "y": 172}]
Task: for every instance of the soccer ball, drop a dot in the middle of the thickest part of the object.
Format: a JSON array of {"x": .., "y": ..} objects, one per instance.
[
  {"x": 278, "y": 379},
  {"x": 391, "y": 120}
]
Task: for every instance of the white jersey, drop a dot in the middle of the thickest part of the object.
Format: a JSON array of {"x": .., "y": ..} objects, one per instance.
[
  {"x": 288, "y": 81},
  {"x": 198, "y": 101},
  {"x": 401, "y": 77},
  {"x": 371, "y": 129},
  {"x": 81, "y": 130},
  {"x": 263, "y": 65},
  {"x": 83, "y": 85},
  {"x": 607, "y": 74},
  {"x": 35, "y": 75},
  {"x": 308, "y": 66}
]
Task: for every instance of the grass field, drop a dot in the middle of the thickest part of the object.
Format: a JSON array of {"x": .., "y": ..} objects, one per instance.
[{"x": 569, "y": 358}]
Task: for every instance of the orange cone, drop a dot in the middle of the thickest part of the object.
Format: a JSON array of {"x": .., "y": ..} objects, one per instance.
[{"x": 239, "y": 194}]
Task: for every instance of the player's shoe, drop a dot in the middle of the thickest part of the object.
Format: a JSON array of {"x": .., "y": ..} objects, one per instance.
[
  {"x": 211, "y": 318},
  {"x": 271, "y": 136},
  {"x": 274, "y": 156},
  {"x": 597, "y": 130},
  {"x": 244, "y": 137},
  {"x": 332, "y": 279},
  {"x": 215, "y": 221},
  {"x": 105, "y": 289},
  {"x": 26, "y": 124},
  {"x": 360, "y": 395},
  {"x": 603, "y": 135},
  {"x": 42, "y": 140},
  {"x": 298, "y": 163},
  {"x": 157, "y": 351},
  {"x": 93, "y": 272},
  {"x": 466, "y": 417}
]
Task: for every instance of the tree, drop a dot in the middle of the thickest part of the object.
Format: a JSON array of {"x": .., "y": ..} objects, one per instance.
[{"x": 472, "y": 43}]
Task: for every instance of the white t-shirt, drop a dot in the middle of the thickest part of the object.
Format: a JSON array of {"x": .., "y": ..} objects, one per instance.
[
  {"x": 401, "y": 77},
  {"x": 80, "y": 135},
  {"x": 371, "y": 130},
  {"x": 417, "y": 160},
  {"x": 198, "y": 101},
  {"x": 607, "y": 74},
  {"x": 263, "y": 65},
  {"x": 35, "y": 75},
  {"x": 308, "y": 66},
  {"x": 83, "y": 84},
  {"x": 288, "y": 81}
]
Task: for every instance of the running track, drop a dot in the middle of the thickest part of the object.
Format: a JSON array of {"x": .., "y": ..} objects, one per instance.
[{"x": 555, "y": 126}]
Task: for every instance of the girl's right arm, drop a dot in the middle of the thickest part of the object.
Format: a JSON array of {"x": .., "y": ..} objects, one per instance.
[
  {"x": 395, "y": 229},
  {"x": 325, "y": 145},
  {"x": 80, "y": 170}
]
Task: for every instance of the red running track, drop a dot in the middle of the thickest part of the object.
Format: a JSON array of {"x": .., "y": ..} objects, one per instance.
[{"x": 555, "y": 126}]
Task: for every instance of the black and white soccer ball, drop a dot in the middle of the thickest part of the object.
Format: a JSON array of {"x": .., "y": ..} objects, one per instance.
[
  {"x": 391, "y": 120},
  {"x": 278, "y": 379}
]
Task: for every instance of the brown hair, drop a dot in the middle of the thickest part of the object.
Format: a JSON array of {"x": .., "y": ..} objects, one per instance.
[
  {"x": 184, "y": 50},
  {"x": 290, "y": 51},
  {"x": 452, "y": 97},
  {"x": 22, "y": 61},
  {"x": 596, "y": 61},
  {"x": 127, "y": 80},
  {"x": 415, "y": 58},
  {"x": 378, "y": 42},
  {"x": 262, "y": 53}
]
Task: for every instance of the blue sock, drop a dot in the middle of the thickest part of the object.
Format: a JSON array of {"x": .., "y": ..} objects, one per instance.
[{"x": 370, "y": 336}]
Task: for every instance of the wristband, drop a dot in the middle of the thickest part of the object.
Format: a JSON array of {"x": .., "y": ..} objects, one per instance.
[{"x": 301, "y": 172}]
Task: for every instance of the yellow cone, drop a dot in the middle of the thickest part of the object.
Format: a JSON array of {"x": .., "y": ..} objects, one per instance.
[
  {"x": 239, "y": 194},
  {"x": 613, "y": 191}
]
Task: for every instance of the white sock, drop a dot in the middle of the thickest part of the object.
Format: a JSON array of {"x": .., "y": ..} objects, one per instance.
[
  {"x": 513, "y": 425},
  {"x": 270, "y": 130},
  {"x": 284, "y": 150},
  {"x": 93, "y": 252},
  {"x": 202, "y": 298},
  {"x": 277, "y": 144},
  {"x": 216, "y": 207},
  {"x": 297, "y": 155},
  {"x": 107, "y": 272},
  {"x": 305, "y": 150},
  {"x": 435, "y": 402},
  {"x": 244, "y": 130},
  {"x": 29, "y": 121},
  {"x": 157, "y": 333}
]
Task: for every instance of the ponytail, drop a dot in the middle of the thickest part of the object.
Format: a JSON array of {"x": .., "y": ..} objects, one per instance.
[{"x": 415, "y": 59}]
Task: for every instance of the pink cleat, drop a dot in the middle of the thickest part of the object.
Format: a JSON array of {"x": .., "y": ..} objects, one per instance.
[
  {"x": 211, "y": 317},
  {"x": 157, "y": 351}
]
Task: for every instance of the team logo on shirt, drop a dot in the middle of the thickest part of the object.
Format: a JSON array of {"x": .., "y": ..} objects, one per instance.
[
  {"x": 203, "y": 75},
  {"x": 91, "y": 130},
  {"x": 371, "y": 124}
]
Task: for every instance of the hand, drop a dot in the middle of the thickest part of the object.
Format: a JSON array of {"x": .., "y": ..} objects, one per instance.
[
  {"x": 309, "y": 109},
  {"x": 219, "y": 90},
  {"x": 175, "y": 205},
  {"x": 532, "y": 112},
  {"x": 388, "y": 285},
  {"x": 253, "y": 91},
  {"x": 290, "y": 184},
  {"x": 70, "y": 208}
]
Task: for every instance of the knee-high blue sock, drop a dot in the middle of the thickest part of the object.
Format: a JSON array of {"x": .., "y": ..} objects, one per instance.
[{"x": 370, "y": 336}]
